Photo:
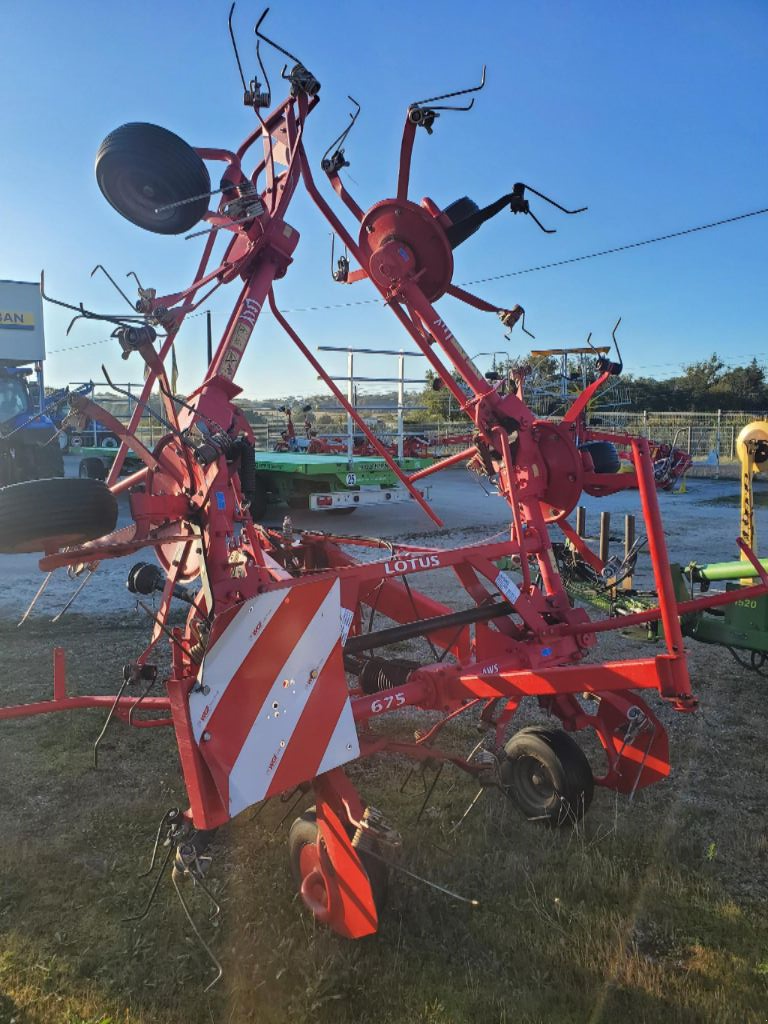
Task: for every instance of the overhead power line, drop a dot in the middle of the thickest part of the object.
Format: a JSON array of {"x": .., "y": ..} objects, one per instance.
[{"x": 510, "y": 273}]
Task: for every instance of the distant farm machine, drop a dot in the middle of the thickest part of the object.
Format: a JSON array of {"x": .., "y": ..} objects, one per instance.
[{"x": 280, "y": 669}]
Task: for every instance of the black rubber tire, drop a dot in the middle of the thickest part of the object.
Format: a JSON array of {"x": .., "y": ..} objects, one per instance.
[
  {"x": 605, "y": 457},
  {"x": 141, "y": 167},
  {"x": 40, "y": 513},
  {"x": 566, "y": 786},
  {"x": 76, "y": 441},
  {"x": 92, "y": 469},
  {"x": 303, "y": 831},
  {"x": 111, "y": 441},
  {"x": 458, "y": 211}
]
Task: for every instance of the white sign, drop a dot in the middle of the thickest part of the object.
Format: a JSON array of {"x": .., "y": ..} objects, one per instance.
[{"x": 22, "y": 338}]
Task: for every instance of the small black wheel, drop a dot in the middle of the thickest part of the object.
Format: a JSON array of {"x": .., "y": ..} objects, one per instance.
[
  {"x": 547, "y": 775},
  {"x": 302, "y": 839},
  {"x": 46, "y": 514},
  {"x": 605, "y": 457},
  {"x": 109, "y": 441},
  {"x": 142, "y": 167},
  {"x": 92, "y": 469},
  {"x": 76, "y": 441}
]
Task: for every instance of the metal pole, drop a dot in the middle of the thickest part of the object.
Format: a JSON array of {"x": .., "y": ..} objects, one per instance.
[
  {"x": 581, "y": 521},
  {"x": 400, "y": 403},
  {"x": 351, "y": 400},
  {"x": 629, "y": 540},
  {"x": 605, "y": 531}
]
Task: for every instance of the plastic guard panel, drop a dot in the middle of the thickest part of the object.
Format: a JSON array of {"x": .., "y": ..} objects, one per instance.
[{"x": 272, "y": 709}]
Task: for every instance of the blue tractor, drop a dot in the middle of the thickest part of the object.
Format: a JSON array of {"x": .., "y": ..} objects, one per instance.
[{"x": 29, "y": 442}]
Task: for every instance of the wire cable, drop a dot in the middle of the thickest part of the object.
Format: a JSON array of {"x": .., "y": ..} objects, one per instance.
[{"x": 500, "y": 277}]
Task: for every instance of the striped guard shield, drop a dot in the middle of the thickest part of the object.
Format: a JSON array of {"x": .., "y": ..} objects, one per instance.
[{"x": 272, "y": 708}]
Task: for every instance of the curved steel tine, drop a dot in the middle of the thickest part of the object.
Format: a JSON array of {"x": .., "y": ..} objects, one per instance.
[
  {"x": 170, "y": 813},
  {"x": 524, "y": 328},
  {"x": 552, "y": 202},
  {"x": 72, "y": 323},
  {"x": 263, "y": 69},
  {"x": 280, "y": 49},
  {"x": 74, "y": 596},
  {"x": 193, "y": 926},
  {"x": 153, "y": 891},
  {"x": 458, "y": 92},
  {"x": 138, "y": 701},
  {"x": 103, "y": 269},
  {"x": 338, "y": 142},
  {"x": 615, "y": 342},
  {"x": 81, "y": 310},
  {"x": 234, "y": 47},
  {"x": 110, "y": 715},
  {"x": 589, "y": 342},
  {"x": 132, "y": 273},
  {"x": 34, "y": 600},
  {"x": 547, "y": 231},
  {"x": 197, "y": 879}
]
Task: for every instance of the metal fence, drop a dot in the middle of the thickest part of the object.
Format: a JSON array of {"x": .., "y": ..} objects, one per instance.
[{"x": 699, "y": 433}]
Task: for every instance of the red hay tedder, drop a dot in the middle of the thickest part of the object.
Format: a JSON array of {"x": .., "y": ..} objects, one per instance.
[{"x": 274, "y": 680}]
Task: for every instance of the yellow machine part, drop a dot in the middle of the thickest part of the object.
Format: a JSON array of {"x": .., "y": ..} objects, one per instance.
[{"x": 752, "y": 450}]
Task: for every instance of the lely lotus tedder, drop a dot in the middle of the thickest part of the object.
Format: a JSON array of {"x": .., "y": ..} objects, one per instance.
[{"x": 277, "y": 677}]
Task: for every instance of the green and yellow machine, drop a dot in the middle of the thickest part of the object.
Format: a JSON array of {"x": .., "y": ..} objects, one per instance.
[{"x": 741, "y": 626}]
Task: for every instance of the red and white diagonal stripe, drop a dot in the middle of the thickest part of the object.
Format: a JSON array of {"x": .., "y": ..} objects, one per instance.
[{"x": 277, "y": 711}]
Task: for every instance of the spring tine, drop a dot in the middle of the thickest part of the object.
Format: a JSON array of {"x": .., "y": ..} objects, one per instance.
[
  {"x": 33, "y": 602},
  {"x": 153, "y": 892},
  {"x": 259, "y": 809},
  {"x": 641, "y": 766},
  {"x": 200, "y": 939},
  {"x": 104, "y": 270},
  {"x": 173, "y": 812},
  {"x": 197, "y": 879},
  {"x": 266, "y": 39},
  {"x": 474, "y": 800},
  {"x": 110, "y": 713},
  {"x": 139, "y": 699},
  {"x": 426, "y": 881},
  {"x": 457, "y": 92},
  {"x": 288, "y": 813},
  {"x": 408, "y": 778},
  {"x": 74, "y": 596},
  {"x": 430, "y": 791}
]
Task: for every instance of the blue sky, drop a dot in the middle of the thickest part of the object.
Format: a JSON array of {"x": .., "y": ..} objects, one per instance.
[{"x": 651, "y": 113}]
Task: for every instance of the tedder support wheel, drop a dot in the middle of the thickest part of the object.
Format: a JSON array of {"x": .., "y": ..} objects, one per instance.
[
  {"x": 547, "y": 775},
  {"x": 605, "y": 457},
  {"x": 42, "y": 514},
  {"x": 302, "y": 847},
  {"x": 141, "y": 168}
]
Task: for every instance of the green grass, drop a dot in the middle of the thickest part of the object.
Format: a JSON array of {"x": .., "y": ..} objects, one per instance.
[{"x": 649, "y": 912}]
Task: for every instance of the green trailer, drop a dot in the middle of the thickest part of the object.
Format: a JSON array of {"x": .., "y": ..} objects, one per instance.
[
  {"x": 328, "y": 483},
  {"x": 320, "y": 483}
]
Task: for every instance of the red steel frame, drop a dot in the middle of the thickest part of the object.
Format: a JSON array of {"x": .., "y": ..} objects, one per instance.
[{"x": 196, "y": 519}]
